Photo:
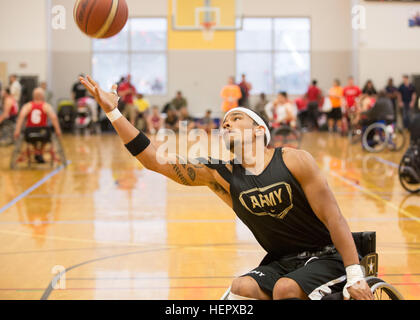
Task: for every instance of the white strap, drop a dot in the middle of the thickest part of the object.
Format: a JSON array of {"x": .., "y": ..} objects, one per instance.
[
  {"x": 354, "y": 275},
  {"x": 114, "y": 115}
]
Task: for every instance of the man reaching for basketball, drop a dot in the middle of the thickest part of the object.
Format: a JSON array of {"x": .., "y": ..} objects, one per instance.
[{"x": 287, "y": 205}]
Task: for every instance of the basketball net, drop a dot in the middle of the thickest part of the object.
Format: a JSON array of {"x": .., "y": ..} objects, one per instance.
[{"x": 208, "y": 31}]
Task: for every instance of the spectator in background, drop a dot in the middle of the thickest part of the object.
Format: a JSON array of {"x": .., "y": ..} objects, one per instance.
[
  {"x": 179, "y": 101},
  {"x": 48, "y": 93},
  {"x": 314, "y": 98},
  {"x": 127, "y": 93},
  {"x": 392, "y": 93},
  {"x": 78, "y": 90},
  {"x": 351, "y": 92},
  {"x": 15, "y": 88},
  {"x": 207, "y": 122},
  {"x": 407, "y": 97},
  {"x": 336, "y": 97},
  {"x": 281, "y": 111},
  {"x": 171, "y": 120},
  {"x": 10, "y": 106},
  {"x": 154, "y": 120},
  {"x": 231, "y": 93},
  {"x": 142, "y": 106},
  {"x": 246, "y": 87},
  {"x": 369, "y": 89},
  {"x": 185, "y": 116},
  {"x": 302, "y": 105},
  {"x": 260, "y": 106},
  {"x": 381, "y": 111}
]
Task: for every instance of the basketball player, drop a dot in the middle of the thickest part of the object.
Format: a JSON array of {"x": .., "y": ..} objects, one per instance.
[
  {"x": 287, "y": 205},
  {"x": 37, "y": 131}
]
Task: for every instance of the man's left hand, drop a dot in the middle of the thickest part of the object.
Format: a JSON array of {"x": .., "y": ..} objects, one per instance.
[{"x": 360, "y": 291}]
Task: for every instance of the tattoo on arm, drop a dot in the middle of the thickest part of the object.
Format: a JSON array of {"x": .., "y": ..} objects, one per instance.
[
  {"x": 217, "y": 188},
  {"x": 179, "y": 174}
]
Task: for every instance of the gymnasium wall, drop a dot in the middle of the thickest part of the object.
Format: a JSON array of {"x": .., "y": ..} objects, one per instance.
[
  {"x": 388, "y": 47},
  {"x": 198, "y": 72},
  {"x": 23, "y": 43}
]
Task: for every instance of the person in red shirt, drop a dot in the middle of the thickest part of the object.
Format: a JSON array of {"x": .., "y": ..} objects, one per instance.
[
  {"x": 10, "y": 107},
  {"x": 37, "y": 132},
  {"x": 246, "y": 87},
  {"x": 314, "y": 98},
  {"x": 127, "y": 92},
  {"x": 351, "y": 92}
]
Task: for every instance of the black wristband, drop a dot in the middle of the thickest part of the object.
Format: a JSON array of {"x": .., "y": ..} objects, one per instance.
[{"x": 138, "y": 144}]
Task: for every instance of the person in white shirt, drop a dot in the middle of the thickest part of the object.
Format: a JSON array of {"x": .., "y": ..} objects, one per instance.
[
  {"x": 15, "y": 88},
  {"x": 281, "y": 111}
]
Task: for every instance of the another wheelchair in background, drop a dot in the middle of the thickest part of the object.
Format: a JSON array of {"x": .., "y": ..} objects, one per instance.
[
  {"x": 37, "y": 147},
  {"x": 409, "y": 168},
  {"x": 383, "y": 134},
  {"x": 66, "y": 112}
]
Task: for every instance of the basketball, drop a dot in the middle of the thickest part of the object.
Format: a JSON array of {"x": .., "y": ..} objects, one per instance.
[{"x": 100, "y": 19}]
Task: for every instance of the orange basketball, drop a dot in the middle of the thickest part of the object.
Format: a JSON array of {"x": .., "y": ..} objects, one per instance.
[{"x": 100, "y": 18}]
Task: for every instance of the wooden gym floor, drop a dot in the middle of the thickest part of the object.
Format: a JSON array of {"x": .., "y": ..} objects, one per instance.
[{"x": 123, "y": 232}]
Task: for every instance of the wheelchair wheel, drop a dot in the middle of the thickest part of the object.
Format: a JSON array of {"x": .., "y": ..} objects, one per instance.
[
  {"x": 355, "y": 135},
  {"x": 409, "y": 178},
  {"x": 16, "y": 152},
  {"x": 382, "y": 290},
  {"x": 6, "y": 133},
  {"x": 396, "y": 139},
  {"x": 59, "y": 150},
  {"x": 375, "y": 138}
]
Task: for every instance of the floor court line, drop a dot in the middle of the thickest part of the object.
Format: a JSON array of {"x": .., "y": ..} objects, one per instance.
[{"x": 34, "y": 187}]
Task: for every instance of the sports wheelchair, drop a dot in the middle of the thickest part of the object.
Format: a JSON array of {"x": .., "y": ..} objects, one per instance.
[
  {"x": 285, "y": 135},
  {"x": 28, "y": 142},
  {"x": 409, "y": 168},
  {"x": 382, "y": 134},
  {"x": 366, "y": 247},
  {"x": 7, "y": 128}
]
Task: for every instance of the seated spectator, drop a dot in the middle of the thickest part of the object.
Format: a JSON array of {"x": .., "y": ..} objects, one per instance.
[
  {"x": 179, "y": 101},
  {"x": 154, "y": 120},
  {"x": 383, "y": 110},
  {"x": 185, "y": 116},
  {"x": 281, "y": 111},
  {"x": 260, "y": 106},
  {"x": 207, "y": 122},
  {"x": 171, "y": 120}
]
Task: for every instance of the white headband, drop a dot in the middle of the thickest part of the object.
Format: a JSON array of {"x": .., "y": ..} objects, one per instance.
[{"x": 254, "y": 117}]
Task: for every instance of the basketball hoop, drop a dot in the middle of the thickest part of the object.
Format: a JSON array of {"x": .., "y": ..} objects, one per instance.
[{"x": 208, "y": 31}]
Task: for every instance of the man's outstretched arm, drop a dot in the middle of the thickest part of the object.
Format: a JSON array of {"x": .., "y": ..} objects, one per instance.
[{"x": 186, "y": 174}]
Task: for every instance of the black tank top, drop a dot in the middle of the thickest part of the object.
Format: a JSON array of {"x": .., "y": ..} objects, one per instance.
[{"x": 274, "y": 207}]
